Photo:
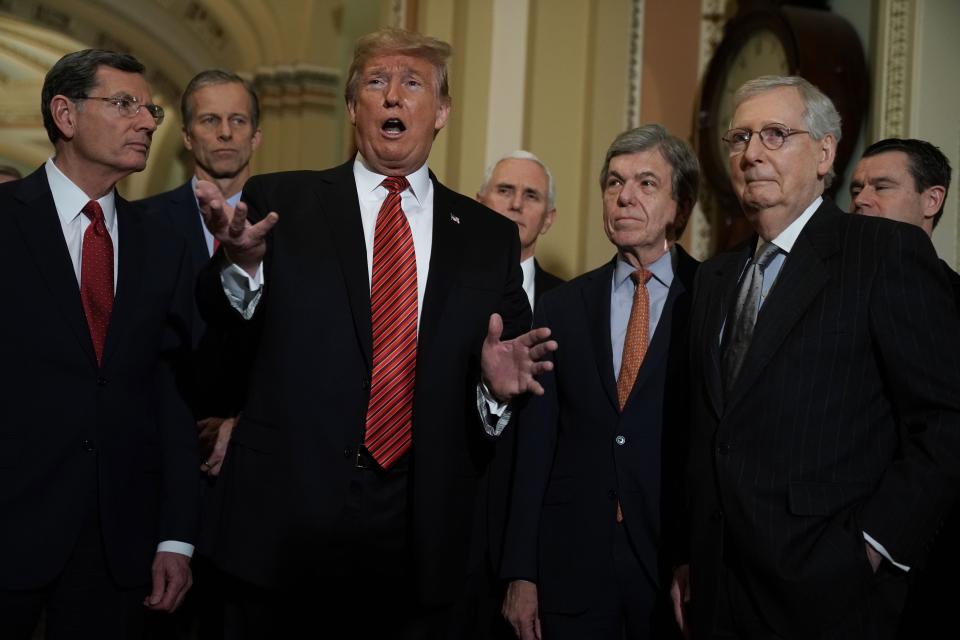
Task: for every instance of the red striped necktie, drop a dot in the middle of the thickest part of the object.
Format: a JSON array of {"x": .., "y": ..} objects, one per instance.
[
  {"x": 96, "y": 276},
  {"x": 393, "y": 307}
]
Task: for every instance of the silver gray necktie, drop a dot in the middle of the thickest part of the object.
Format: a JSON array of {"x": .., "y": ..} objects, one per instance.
[{"x": 740, "y": 331}]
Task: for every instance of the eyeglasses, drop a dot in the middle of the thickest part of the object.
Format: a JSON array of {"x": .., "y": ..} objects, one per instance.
[
  {"x": 772, "y": 136},
  {"x": 129, "y": 107}
]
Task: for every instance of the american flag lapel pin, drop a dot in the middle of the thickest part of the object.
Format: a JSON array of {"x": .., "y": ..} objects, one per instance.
[{"x": 454, "y": 218}]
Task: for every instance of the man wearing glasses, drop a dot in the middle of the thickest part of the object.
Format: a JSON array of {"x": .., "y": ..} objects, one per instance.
[
  {"x": 825, "y": 394},
  {"x": 98, "y": 451}
]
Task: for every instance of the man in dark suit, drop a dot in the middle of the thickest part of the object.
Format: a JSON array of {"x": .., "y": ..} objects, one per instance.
[
  {"x": 221, "y": 129},
  {"x": 520, "y": 187},
  {"x": 908, "y": 180},
  {"x": 584, "y": 529},
  {"x": 356, "y": 460},
  {"x": 826, "y": 396},
  {"x": 99, "y": 453},
  {"x": 905, "y": 180}
]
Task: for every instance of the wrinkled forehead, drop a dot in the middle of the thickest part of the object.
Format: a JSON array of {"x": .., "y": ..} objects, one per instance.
[
  {"x": 112, "y": 82},
  {"x": 783, "y": 105}
]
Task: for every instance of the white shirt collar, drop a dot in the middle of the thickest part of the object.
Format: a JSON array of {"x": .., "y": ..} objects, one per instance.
[
  {"x": 70, "y": 199},
  {"x": 368, "y": 180},
  {"x": 788, "y": 236}
]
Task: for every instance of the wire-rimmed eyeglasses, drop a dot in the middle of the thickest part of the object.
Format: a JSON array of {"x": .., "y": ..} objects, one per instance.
[
  {"x": 772, "y": 137},
  {"x": 128, "y": 106}
]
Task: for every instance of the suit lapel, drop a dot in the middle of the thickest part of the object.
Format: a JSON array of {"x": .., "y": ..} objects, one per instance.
[
  {"x": 337, "y": 193},
  {"x": 40, "y": 226},
  {"x": 130, "y": 274},
  {"x": 722, "y": 291},
  {"x": 445, "y": 252},
  {"x": 801, "y": 279},
  {"x": 596, "y": 300},
  {"x": 187, "y": 218}
]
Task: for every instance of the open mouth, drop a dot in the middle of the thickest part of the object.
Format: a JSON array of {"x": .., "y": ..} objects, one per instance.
[{"x": 393, "y": 126}]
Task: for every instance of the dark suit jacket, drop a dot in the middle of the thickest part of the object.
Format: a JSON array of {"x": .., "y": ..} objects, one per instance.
[
  {"x": 845, "y": 419},
  {"x": 495, "y": 501},
  {"x": 72, "y": 431},
  {"x": 570, "y": 470},
  {"x": 219, "y": 374},
  {"x": 290, "y": 458},
  {"x": 543, "y": 281}
]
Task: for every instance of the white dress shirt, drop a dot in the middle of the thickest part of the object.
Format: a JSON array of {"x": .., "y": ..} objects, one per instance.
[
  {"x": 70, "y": 200},
  {"x": 529, "y": 269}
]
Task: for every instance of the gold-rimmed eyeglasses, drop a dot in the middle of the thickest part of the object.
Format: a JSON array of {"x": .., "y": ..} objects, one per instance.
[{"x": 128, "y": 106}]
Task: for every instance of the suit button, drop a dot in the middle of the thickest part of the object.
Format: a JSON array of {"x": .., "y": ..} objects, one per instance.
[
  {"x": 101, "y": 382},
  {"x": 347, "y": 453},
  {"x": 724, "y": 448},
  {"x": 365, "y": 383},
  {"x": 620, "y": 440},
  {"x": 612, "y": 494},
  {"x": 717, "y": 515},
  {"x": 88, "y": 445}
]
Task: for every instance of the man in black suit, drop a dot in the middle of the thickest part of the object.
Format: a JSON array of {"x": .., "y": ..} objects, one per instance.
[
  {"x": 825, "y": 442},
  {"x": 98, "y": 460},
  {"x": 905, "y": 180},
  {"x": 584, "y": 529},
  {"x": 908, "y": 180},
  {"x": 520, "y": 187},
  {"x": 221, "y": 129},
  {"x": 357, "y": 457}
]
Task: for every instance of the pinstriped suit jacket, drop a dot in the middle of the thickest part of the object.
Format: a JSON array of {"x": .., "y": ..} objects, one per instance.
[{"x": 845, "y": 419}]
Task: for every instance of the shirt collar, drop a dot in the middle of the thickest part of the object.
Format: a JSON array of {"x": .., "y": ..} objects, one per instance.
[
  {"x": 527, "y": 267},
  {"x": 662, "y": 269},
  {"x": 368, "y": 180},
  {"x": 70, "y": 199},
  {"x": 788, "y": 237}
]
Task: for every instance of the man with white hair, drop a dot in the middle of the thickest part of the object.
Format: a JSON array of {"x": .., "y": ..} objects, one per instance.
[
  {"x": 825, "y": 437},
  {"x": 520, "y": 187}
]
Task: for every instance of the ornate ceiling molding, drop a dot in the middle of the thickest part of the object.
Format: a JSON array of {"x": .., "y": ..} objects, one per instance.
[
  {"x": 894, "y": 61},
  {"x": 635, "y": 65}
]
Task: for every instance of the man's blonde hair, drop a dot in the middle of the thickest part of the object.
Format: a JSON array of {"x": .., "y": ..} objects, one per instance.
[{"x": 392, "y": 41}]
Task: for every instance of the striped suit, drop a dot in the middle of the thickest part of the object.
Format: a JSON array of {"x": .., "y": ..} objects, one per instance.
[{"x": 845, "y": 419}]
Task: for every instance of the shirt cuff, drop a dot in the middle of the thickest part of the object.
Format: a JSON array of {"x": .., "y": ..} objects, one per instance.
[
  {"x": 879, "y": 548},
  {"x": 241, "y": 290},
  {"x": 173, "y": 546},
  {"x": 494, "y": 414}
]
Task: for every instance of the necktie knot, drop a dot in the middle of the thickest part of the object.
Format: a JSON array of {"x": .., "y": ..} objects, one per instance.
[
  {"x": 641, "y": 276},
  {"x": 766, "y": 255},
  {"x": 94, "y": 213},
  {"x": 395, "y": 184}
]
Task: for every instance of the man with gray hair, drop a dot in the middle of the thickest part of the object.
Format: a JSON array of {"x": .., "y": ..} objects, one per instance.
[
  {"x": 825, "y": 436},
  {"x": 520, "y": 187},
  {"x": 595, "y": 451}
]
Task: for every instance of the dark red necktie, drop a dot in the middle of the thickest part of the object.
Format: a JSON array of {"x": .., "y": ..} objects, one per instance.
[
  {"x": 393, "y": 307},
  {"x": 96, "y": 276}
]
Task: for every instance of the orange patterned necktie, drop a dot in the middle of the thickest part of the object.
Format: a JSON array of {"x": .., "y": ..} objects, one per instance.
[
  {"x": 637, "y": 338},
  {"x": 393, "y": 308},
  {"x": 96, "y": 276}
]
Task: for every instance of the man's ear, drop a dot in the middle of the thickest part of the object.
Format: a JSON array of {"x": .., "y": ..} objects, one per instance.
[
  {"x": 548, "y": 219},
  {"x": 352, "y": 110},
  {"x": 827, "y": 154},
  {"x": 187, "y": 140},
  {"x": 64, "y": 112},
  {"x": 931, "y": 199}
]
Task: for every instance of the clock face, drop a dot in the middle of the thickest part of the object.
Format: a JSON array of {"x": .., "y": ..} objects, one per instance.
[{"x": 762, "y": 53}]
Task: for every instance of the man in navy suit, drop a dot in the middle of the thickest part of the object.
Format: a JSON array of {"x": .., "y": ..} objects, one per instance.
[
  {"x": 98, "y": 451},
  {"x": 377, "y": 297},
  {"x": 596, "y": 451},
  {"x": 520, "y": 187},
  {"x": 221, "y": 129},
  {"x": 825, "y": 439}
]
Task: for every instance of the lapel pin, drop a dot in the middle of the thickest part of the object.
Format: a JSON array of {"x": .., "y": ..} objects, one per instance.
[{"x": 455, "y": 218}]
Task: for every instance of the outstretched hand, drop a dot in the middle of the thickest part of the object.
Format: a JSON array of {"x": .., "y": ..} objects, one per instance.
[
  {"x": 509, "y": 367},
  {"x": 244, "y": 243}
]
